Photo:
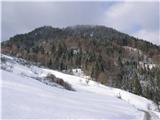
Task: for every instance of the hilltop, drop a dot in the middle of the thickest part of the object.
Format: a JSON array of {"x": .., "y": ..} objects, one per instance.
[{"x": 107, "y": 55}]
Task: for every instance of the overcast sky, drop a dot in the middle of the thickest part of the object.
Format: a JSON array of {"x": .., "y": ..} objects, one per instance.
[{"x": 140, "y": 19}]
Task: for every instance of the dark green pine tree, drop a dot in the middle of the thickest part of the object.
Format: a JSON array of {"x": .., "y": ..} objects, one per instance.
[
  {"x": 147, "y": 93},
  {"x": 137, "y": 86},
  {"x": 49, "y": 63}
]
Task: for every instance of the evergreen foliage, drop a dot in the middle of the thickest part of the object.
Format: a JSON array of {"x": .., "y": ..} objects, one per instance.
[{"x": 101, "y": 52}]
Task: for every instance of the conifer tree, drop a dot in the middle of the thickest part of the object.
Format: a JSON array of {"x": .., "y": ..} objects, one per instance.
[{"x": 137, "y": 86}]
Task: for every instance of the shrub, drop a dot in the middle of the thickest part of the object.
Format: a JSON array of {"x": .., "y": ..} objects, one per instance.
[{"x": 59, "y": 81}]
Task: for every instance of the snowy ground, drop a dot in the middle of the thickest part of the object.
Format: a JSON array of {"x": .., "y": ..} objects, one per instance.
[{"x": 25, "y": 97}]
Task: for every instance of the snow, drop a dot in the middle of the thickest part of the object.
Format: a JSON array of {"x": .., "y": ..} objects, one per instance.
[
  {"x": 75, "y": 51},
  {"x": 95, "y": 87},
  {"x": 91, "y": 34},
  {"x": 78, "y": 72},
  {"x": 131, "y": 49},
  {"x": 141, "y": 63},
  {"x": 148, "y": 65},
  {"x": 24, "y": 97}
]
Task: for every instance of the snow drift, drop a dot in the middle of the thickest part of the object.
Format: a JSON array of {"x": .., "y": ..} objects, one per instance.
[{"x": 23, "y": 96}]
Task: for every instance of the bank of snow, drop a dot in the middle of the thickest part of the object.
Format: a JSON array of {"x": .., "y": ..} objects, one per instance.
[
  {"x": 94, "y": 87},
  {"x": 25, "y": 97}
]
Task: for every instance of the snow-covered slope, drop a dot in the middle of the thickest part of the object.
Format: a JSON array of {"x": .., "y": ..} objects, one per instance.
[{"x": 25, "y": 97}]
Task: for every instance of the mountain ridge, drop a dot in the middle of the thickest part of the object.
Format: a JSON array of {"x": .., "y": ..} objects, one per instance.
[
  {"x": 81, "y": 26},
  {"x": 99, "y": 51}
]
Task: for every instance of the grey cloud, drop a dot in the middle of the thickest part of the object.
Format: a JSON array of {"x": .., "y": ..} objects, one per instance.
[
  {"x": 135, "y": 18},
  {"x": 128, "y": 17},
  {"x": 19, "y": 17}
]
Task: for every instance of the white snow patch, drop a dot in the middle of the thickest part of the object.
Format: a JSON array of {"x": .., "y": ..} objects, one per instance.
[
  {"x": 24, "y": 97},
  {"x": 148, "y": 65},
  {"x": 131, "y": 49}
]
